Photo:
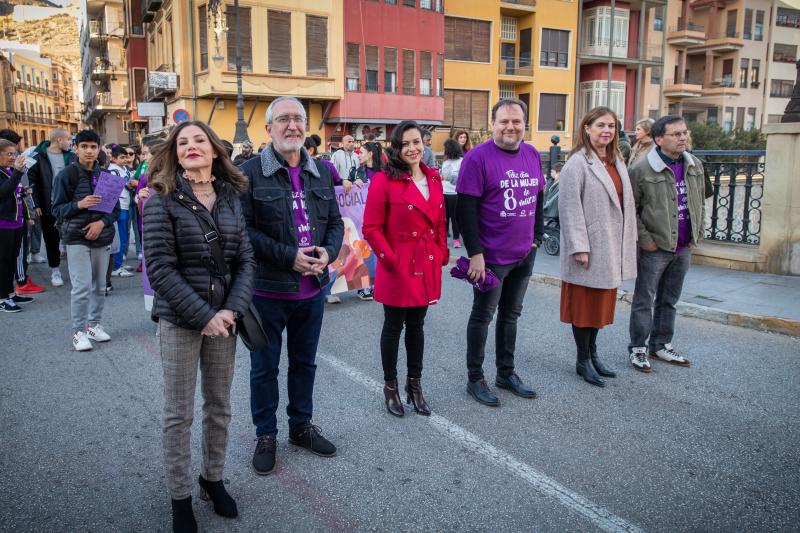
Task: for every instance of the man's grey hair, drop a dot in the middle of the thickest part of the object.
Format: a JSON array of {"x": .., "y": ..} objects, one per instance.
[
  {"x": 57, "y": 134},
  {"x": 284, "y": 99}
]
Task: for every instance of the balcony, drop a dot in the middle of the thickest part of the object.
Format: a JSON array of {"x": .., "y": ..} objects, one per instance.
[
  {"x": 100, "y": 30},
  {"x": 513, "y": 68},
  {"x": 106, "y": 101},
  {"x": 683, "y": 88},
  {"x": 149, "y": 8},
  {"x": 686, "y": 34},
  {"x": 727, "y": 41},
  {"x": 784, "y": 57},
  {"x": 517, "y": 8},
  {"x": 725, "y": 86},
  {"x": 104, "y": 68}
]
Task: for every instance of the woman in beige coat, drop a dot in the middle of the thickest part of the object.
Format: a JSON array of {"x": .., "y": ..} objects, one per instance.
[
  {"x": 598, "y": 236},
  {"x": 644, "y": 141}
]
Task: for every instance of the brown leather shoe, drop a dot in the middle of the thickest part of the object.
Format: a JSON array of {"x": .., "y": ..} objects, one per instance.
[
  {"x": 393, "y": 403},
  {"x": 415, "y": 397}
]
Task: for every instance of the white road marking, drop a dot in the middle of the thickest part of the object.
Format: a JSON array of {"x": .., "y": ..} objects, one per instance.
[{"x": 602, "y": 518}]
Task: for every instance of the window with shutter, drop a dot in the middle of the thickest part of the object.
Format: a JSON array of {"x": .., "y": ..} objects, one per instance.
[
  {"x": 371, "y": 80},
  {"x": 390, "y": 70},
  {"x": 244, "y": 36},
  {"x": 202, "y": 22},
  {"x": 554, "y": 49},
  {"x": 410, "y": 3},
  {"x": 439, "y": 74},
  {"x": 139, "y": 82},
  {"x": 316, "y": 45},
  {"x": 279, "y": 41},
  {"x": 352, "y": 68},
  {"x": 425, "y": 73},
  {"x": 552, "y": 112},
  {"x": 467, "y": 39},
  {"x": 409, "y": 85},
  {"x": 466, "y": 109}
]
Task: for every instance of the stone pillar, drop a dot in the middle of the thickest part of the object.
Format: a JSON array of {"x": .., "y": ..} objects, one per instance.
[
  {"x": 709, "y": 74},
  {"x": 780, "y": 209}
]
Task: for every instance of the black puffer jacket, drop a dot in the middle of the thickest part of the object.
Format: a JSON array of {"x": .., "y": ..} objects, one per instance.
[
  {"x": 41, "y": 176},
  {"x": 70, "y": 186},
  {"x": 178, "y": 256},
  {"x": 8, "y": 195}
]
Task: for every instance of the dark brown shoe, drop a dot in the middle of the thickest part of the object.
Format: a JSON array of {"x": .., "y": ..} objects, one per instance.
[
  {"x": 415, "y": 397},
  {"x": 393, "y": 403}
]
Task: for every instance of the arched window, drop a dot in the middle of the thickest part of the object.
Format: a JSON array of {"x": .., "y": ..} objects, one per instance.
[
  {"x": 33, "y": 109},
  {"x": 22, "y": 107},
  {"x": 41, "y": 109},
  {"x": 25, "y": 137},
  {"x": 34, "y": 138},
  {"x": 43, "y": 135},
  {"x": 28, "y": 76}
]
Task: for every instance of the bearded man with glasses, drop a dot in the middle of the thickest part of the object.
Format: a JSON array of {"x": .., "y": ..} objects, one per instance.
[
  {"x": 294, "y": 225},
  {"x": 668, "y": 188}
]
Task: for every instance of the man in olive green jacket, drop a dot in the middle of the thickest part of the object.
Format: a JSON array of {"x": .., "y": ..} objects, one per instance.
[{"x": 668, "y": 190}]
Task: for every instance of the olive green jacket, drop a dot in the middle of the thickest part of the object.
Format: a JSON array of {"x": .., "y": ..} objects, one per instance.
[{"x": 654, "y": 192}]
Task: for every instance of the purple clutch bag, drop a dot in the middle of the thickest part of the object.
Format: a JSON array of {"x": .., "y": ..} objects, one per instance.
[{"x": 460, "y": 272}]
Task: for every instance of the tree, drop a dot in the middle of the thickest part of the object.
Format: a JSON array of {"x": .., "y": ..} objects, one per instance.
[{"x": 712, "y": 137}]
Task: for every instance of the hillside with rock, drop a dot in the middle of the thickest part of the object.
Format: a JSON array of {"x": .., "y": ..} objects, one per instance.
[{"x": 58, "y": 36}]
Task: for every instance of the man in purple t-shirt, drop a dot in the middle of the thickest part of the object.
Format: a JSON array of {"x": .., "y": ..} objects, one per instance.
[
  {"x": 294, "y": 224},
  {"x": 668, "y": 187},
  {"x": 500, "y": 200}
]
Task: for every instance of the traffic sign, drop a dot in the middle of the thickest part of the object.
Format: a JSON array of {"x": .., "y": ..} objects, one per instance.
[{"x": 180, "y": 115}]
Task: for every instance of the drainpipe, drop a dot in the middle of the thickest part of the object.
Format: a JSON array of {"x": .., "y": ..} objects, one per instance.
[
  {"x": 194, "y": 76},
  {"x": 576, "y": 112},
  {"x": 642, "y": 56},
  {"x": 663, "y": 58},
  {"x": 610, "y": 52}
]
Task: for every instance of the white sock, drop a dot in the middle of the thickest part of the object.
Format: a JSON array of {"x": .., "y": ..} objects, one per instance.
[{"x": 56, "y": 270}]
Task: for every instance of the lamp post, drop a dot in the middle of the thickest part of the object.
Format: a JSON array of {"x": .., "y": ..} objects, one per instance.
[{"x": 240, "y": 135}]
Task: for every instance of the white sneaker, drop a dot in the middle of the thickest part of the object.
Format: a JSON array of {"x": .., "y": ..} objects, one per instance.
[
  {"x": 97, "y": 333},
  {"x": 139, "y": 256},
  {"x": 56, "y": 280},
  {"x": 639, "y": 359},
  {"x": 669, "y": 355},
  {"x": 333, "y": 299},
  {"x": 81, "y": 342},
  {"x": 121, "y": 273},
  {"x": 38, "y": 259}
]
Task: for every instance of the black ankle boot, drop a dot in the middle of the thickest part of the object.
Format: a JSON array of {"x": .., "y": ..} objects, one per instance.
[
  {"x": 602, "y": 369},
  {"x": 215, "y": 491},
  {"x": 183, "y": 517},
  {"x": 586, "y": 370}
]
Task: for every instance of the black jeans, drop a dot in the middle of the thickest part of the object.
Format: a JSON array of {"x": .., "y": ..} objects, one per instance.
[
  {"x": 51, "y": 240},
  {"x": 508, "y": 297},
  {"x": 450, "y": 205},
  {"x": 10, "y": 240},
  {"x": 393, "y": 320}
]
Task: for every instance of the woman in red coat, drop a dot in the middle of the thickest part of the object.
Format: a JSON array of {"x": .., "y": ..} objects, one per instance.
[{"x": 404, "y": 223}]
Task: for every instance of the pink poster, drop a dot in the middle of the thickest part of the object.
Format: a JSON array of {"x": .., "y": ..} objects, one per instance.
[{"x": 354, "y": 268}]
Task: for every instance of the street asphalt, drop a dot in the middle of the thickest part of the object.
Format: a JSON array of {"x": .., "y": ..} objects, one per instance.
[{"x": 715, "y": 447}]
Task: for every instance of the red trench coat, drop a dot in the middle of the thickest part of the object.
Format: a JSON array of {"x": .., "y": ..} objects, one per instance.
[{"x": 409, "y": 237}]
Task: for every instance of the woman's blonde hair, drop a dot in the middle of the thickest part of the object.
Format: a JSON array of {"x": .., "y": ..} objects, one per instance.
[{"x": 646, "y": 124}]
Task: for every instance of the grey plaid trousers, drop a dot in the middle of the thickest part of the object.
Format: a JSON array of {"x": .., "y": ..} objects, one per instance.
[{"x": 181, "y": 351}]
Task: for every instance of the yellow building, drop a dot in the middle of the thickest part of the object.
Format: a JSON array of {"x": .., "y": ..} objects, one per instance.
[
  {"x": 66, "y": 111},
  {"x": 510, "y": 48},
  {"x": 287, "y": 48},
  {"x": 34, "y": 97}
]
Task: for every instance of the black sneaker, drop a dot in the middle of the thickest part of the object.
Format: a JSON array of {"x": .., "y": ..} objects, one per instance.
[
  {"x": 366, "y": 294},
  {"x": 19, "y": 299},
  {"x": 8, "y": 306},
  {"x": 482, "y": 394},
  {"x": 311, "y": 439},
  {"x": 514, "y": 384},
  {"x": 264, "y": 456}
]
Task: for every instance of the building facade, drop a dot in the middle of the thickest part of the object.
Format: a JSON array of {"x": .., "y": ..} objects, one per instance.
[
  {"x": 34, "y": 96},
  {"x": 136, "y": 54},
  {"x": 105, "y": 70},
  {"x": 7, "y": 110},
  {"x": 520, "y": 49},
  {"x": 66, "y": 107},
  {"x": 781, "y": 72},
  {"x": 286, "y": 48},
  {"x": 393, "y": 72},
  {"x": 620, "y": 47}
]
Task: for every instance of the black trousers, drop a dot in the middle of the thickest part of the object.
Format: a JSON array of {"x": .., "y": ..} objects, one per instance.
[
  {"x": 10, "y": 241},
  {"x": 51, "y": 239},
  {"x": 393, "y": 320},
  {"x": 450, "y": 204}
]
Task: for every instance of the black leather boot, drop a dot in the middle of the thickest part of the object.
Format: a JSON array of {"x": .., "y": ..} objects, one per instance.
[
  {"x": 393, "y": 403},
  {"x": 586, "y": 370},
  {"x": 415, "y": 397},
  {"x": 215, "y": 491},
  {"x": 183, "y": 517},
  {"x": 602, "y": 369}
]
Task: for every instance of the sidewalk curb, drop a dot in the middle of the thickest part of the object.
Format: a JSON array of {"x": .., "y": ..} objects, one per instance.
[{"x": 771, "y": 324}]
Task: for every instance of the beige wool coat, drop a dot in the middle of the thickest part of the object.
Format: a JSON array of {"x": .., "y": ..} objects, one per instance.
[{"x": 593, "y": 221}]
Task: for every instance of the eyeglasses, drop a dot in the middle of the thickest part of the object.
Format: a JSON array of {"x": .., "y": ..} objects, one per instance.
[
  {"x": 130, "y": 153},
  {"x": 284, "y": 120},
  {"x": 677, "y": 134}
]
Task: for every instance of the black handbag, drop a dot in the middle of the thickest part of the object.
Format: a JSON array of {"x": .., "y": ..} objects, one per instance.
[{"x": 248, "y": 324}]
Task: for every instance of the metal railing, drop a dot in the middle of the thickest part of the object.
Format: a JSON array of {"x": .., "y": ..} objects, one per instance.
[
  {"x": 687, "y": 26},
  {"x": 733, "y": 213},
  {"x": 513, "y": 67},
  {"x": 727, "y": 34},
  {"x": 529, "y": 3},
  {"x": 685, "y": 81}
]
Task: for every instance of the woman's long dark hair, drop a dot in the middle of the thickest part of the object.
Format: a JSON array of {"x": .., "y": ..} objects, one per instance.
[
  {"x": 164, "y": 165},
  {"x": 467, "y": 145},
  {"x": 396, "y": 168},
  {"x": 452, "y": 150},
  {"x": 377, "y": 153}
]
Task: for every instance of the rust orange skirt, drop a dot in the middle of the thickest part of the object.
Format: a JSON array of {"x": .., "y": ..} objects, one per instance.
[{"x": 586, "y": 307}]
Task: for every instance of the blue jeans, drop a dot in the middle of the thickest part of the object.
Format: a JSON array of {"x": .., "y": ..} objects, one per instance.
[
  {"x": 658, "y": 287},
  {"x": 123, "y": 226},
  {"x": 302, "y": 320}
]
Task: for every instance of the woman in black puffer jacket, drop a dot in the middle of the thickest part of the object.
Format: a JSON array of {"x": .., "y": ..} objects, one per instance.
[{"x": 193, "y": 178}]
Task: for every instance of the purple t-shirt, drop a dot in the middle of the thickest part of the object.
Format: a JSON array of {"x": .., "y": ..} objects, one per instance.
[
  {"x": 14, "y": 224},
  {"x": 507, "y": 184},
  {"x": 309, "y": 287},
  {"x": 684, "y": 220}
]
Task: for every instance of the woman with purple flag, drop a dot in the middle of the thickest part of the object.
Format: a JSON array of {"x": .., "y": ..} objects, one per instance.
[{"x": 598, "y": 236}]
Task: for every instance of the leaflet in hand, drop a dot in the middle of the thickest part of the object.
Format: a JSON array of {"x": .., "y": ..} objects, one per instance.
[{"x": 108, "y": 188}]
